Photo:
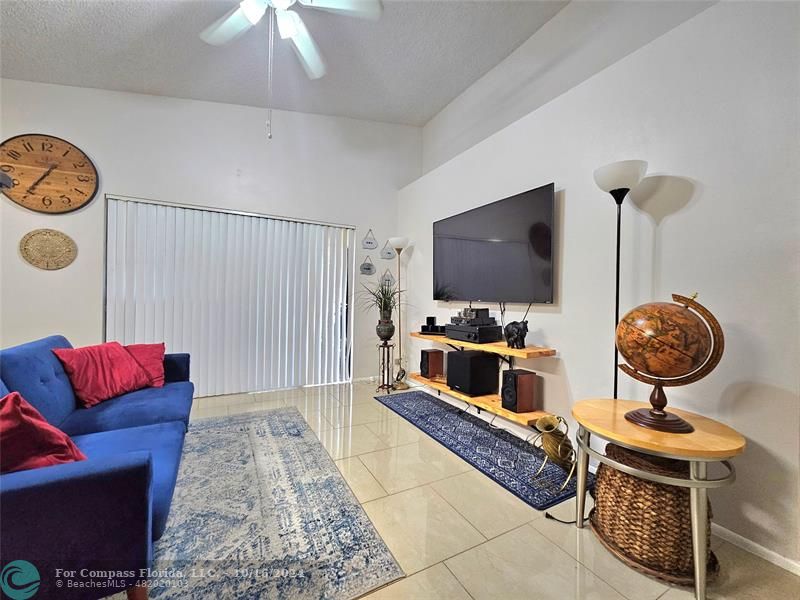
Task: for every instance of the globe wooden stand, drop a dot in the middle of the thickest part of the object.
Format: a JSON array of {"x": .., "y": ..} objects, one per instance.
[
  {"x": 639, "y": 341},
  {"x": 657, "y": 418}
]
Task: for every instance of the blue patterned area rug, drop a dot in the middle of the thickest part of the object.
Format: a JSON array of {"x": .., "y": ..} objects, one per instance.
[
  {"x": 498, "y": 454},
  {"x": 261, "y": 511}
]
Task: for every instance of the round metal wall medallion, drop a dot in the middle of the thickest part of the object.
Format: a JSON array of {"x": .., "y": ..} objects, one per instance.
[{"x": 48, "y": 249}]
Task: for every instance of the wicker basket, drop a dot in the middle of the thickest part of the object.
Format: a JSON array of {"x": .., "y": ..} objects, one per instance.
[{"x": 647, "y": 525}]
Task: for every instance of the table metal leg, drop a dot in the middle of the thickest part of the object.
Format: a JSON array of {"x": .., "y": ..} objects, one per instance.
[
  {"x": 582, "y": 470},
  {"x": 699, "y": 510}
]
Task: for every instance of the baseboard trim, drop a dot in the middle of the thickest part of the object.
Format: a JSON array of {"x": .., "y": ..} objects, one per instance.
[{"x": 793, "y": 566}]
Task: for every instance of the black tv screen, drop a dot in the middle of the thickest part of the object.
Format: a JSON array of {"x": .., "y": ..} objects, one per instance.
[{"x": 501, "y": 252}]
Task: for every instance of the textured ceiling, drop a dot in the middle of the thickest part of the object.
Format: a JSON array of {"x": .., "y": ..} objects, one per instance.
[{"x": 403, "y": 68}]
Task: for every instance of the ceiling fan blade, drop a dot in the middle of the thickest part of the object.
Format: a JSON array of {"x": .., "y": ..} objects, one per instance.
[
  {"x": 291, "y": 26},
  {"x": 234, "y": 23},
  {"x": 364, "y": 9}
]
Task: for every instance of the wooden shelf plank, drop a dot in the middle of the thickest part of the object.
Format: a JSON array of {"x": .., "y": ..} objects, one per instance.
[
  {"x": 494, "y": 347},
  {"x": 490, "y": 403}
]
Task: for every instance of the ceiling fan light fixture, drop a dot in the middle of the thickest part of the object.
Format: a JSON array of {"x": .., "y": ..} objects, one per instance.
[
  {"x": 290, "y": 26},
  {"x": 253, "y": 9}
]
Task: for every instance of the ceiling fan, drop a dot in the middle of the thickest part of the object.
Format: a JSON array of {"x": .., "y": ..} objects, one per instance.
[{"x": 290, "y": 26}]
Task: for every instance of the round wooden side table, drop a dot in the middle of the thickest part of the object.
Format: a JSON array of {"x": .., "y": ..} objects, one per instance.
[{"x": 711, "y": 441}]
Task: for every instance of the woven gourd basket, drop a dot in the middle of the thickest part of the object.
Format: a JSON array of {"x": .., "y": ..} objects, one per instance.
[{"x": 647, "y": 525}]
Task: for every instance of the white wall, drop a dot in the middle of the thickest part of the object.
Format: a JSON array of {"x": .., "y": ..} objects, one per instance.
[
  {"x": 581, "y": 40},
  {"x": 713, "y": 104},
  {"x": 321, "y": 168}
]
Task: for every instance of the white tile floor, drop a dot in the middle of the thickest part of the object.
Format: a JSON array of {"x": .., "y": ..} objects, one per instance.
[{"x": 457, "y": 534}]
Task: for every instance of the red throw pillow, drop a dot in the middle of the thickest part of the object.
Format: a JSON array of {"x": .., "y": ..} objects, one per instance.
[
  {"x": 27, "y": 441},
  {"x": 151, "y": 359},
  {"x": 101, "y": 372}
]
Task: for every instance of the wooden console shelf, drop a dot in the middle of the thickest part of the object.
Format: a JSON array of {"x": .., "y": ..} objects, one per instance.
[
  {"x": 494, "y": 347},
  {"x": 490, "y": 403}
]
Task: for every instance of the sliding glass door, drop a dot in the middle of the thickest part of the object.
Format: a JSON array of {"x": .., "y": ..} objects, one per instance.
[{"x": 259, "y": 302}]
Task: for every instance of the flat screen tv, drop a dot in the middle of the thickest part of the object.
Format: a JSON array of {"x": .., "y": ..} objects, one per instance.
[{"x": 500, "y": 252}]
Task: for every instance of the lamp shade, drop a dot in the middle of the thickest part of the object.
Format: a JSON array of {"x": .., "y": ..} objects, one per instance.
[
  {"x": 620, "y": 175},
  {"x": 398, "y": 243}
]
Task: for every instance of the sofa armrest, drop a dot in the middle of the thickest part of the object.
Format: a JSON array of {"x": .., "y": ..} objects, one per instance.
[
  {"x": 176, "y": 367},
  {"x": 94, "y": 514}
]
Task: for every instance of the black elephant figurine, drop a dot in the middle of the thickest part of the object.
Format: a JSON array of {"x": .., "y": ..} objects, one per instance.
[{"x": 515, "y": 334}]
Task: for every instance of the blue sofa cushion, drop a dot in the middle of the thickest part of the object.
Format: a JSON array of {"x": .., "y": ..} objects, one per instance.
[
  {"x": 176, "y": 367},
  {"x": 148, "y": 406},
  {"x": 4, "y": 391},
  {"x": 164, "y": 442},
  {"x": 34, "y": 371}
]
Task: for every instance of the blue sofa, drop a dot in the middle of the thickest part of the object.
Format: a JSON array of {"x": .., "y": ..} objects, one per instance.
[{"x": 101, "y": 514}]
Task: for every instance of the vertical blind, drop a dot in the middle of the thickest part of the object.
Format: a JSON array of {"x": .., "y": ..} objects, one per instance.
[{"x": 260, "y": 303}]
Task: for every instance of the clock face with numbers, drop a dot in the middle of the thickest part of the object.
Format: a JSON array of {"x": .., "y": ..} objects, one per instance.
[{"x": 48, "y": 174}]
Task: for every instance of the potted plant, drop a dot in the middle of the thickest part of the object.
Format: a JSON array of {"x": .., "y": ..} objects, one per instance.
[{"x": 385, "y": 298}]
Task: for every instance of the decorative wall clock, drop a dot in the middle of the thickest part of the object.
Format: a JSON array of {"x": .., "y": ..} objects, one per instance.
[
  {"x": 49, "y": 175},
  {"x": 48, "y": 249}
]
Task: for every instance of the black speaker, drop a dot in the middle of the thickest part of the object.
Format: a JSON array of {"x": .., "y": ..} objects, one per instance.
[
  {"x": 472, "y": 372},
  {"x": 430, "y": 325},
  {"x": 431, "y": 364},
  {"x": 518, "y": 393}
]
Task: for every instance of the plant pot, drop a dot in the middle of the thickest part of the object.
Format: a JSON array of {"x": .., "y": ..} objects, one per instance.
[{"x": 385, "y": 329}]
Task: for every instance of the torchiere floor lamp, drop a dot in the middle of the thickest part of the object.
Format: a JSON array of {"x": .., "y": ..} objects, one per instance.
[
  {"x": 617, "y": 179},
  {"x": 399, "y": 244}
]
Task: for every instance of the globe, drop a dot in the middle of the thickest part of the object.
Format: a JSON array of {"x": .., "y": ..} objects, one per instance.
[
  {"x": 668, "y": 344},
  {"x": 664, "y": 340}
]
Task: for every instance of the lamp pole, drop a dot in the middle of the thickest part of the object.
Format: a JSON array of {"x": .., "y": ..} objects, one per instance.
[
  {"x": 618, "y": 179},
  {"x": 618, "y": 195},
  {"x": 399, "y": 314},
  {"x": 399, "y": 244}
]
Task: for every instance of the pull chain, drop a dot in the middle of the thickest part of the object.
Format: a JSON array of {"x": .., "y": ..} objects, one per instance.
[{"x": 269, "y": 70}]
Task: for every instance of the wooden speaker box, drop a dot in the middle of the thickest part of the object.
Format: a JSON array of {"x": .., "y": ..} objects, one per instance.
[
  {"x": 472, "y": 372},
  {"x": 431, "y": 365},
  {"x": 519, "y": 390}
]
